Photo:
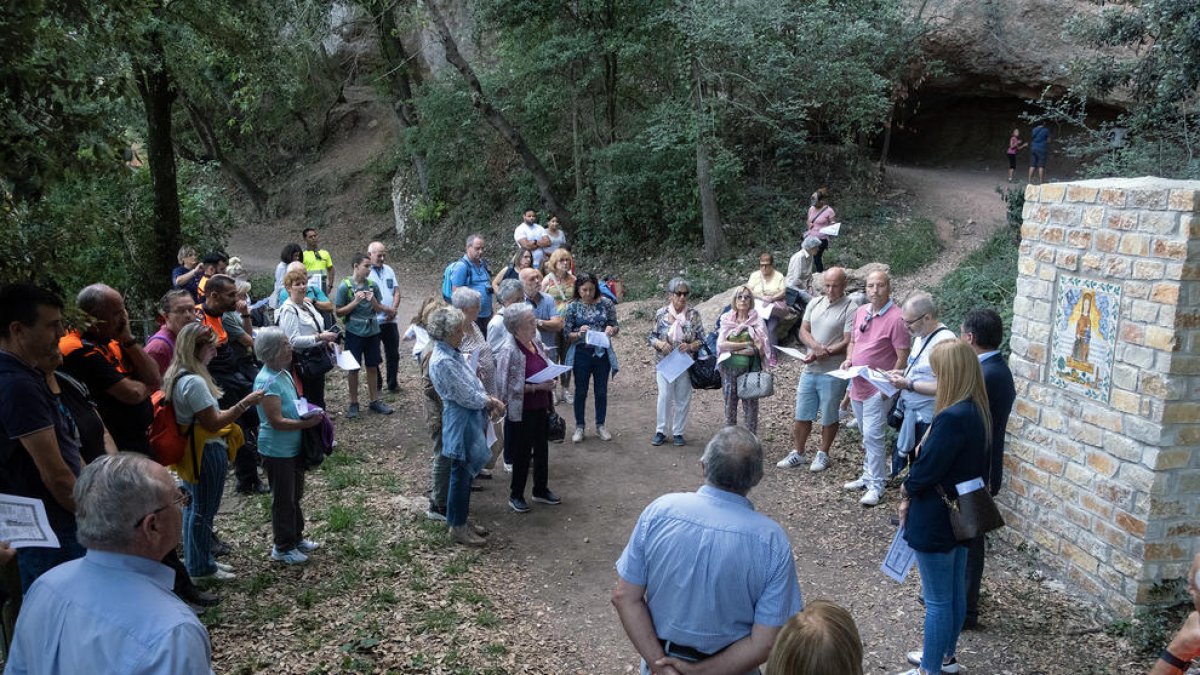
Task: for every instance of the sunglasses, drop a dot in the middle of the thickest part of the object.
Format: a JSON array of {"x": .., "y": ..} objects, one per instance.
[{"x": 183, "y": 500}]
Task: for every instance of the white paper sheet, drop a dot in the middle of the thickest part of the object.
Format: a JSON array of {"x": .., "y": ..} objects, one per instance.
[
  {"x": 490, "y": 435},
  {"x": 723, "y": 356},
  {"x": 831, "y": 230},
  {"x": 794, "y": 353},
  {"x": 23, "y": 523},
  {"x": 969, "y": 486},
  {"x": 880, "y": 380},
  {"x": 548, "y": 373},
  {"x": 597, "y": 338},
  {"x": 674, "y": 364},
  {"x": 899, "y": 559},
  {"x": 419, "y": 337},
  {"x": 847, "y": 374},
  {"x": 763, "y": 308},
  {"x": 346, "y": 360}
]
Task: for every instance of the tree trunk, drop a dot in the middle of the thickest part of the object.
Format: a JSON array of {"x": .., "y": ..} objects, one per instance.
[
  {"x": 401, "y": 76},
  {"x": 153, "y": 82},
  {"x": 714, "y": 236},
  {"x": 212, "y": 147},
  {"x": 541, "y": 178}
]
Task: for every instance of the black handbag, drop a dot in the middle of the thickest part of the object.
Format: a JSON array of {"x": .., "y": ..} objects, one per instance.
[
  {"x": 703, "y": 372},
  {"x": 313, "y": 362},
  {"x": 973, "y": 514},
  {"x": 313, "y": 449},
  {"x": 556, "y": 427}
]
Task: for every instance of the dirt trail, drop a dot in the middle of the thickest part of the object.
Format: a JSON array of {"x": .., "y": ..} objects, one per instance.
[{"x": 963, "y": 204}]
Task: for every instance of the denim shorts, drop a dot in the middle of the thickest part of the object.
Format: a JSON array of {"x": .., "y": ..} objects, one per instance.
[
  {"x": 1037, "y": 157},
  {"x": 818, "y": 391},
  {"x": 365, "y": 349}
]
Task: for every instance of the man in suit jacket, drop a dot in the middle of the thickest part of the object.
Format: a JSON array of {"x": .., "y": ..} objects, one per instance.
[{"x": 983, "y": 330}]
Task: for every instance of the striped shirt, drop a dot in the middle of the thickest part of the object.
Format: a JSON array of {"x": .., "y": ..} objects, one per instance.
[{"x": 712, "y": 568}]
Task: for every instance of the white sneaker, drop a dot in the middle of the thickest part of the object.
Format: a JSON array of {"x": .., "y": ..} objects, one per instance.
[
  {"x": 218, "y": 575},
  {"x": 224, "y": 567},
  {"x": 792, "y": 461},
  {"x": 951, "y": 667},
  {"x": 578, "y": 435},
  {"x": 308, "y": 545},
  {"x": 820, "y": 462},
  {"x": 602, "y": 433},
  {"x": 508, "y": 467},
  {"x": 871, "y": 498},
  {"x": 859, "y": 484},
  {"x": 568, "y": 397}
]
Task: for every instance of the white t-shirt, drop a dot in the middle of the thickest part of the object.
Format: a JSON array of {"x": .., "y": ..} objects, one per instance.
[
  {"x": 919, "y": 369},
  {"x": 190, "y": 397},
  {"x": 533, "y": 233},
  {"x": 386, "y": 280},
  {"x": 556, "y": 242}
]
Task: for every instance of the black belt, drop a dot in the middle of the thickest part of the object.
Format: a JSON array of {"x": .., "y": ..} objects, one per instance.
[{"x": 684, "y": 652}]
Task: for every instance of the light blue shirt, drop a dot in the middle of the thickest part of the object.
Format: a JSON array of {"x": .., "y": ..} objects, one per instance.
[
  {"x": 108, "y": 613},
  {"x": 712, "y": 568},
  {"x": 987, "y": 355},
  {"x": 273, "y": 443}
]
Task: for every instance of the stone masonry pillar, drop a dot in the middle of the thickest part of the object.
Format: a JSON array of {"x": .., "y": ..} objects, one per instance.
[{"x": 1102, "y": 471}]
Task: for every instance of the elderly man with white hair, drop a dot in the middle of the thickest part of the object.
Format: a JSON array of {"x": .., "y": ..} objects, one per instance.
[
  {"x": 800, "y": 268},
  {"x": 113, "y": 611}
]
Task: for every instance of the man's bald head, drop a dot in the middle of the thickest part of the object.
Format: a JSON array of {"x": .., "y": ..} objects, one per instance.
[{"x": 835, "y": 282}]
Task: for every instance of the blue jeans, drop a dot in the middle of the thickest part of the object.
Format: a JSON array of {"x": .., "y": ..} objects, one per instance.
[
  {"x": 35, "y": 561},
  {"x": 198, "y": 516},
  {"x": 458, "y": 501},
  {"x": 588, "y": 366},
  {"x": 944, "y": 588}
]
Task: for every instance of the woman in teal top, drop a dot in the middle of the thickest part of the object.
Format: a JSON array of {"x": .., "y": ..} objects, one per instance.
[{"x": 279, "y": 445}]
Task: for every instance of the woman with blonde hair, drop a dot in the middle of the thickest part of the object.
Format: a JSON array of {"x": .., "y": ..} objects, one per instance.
[
  {"x": 821, "y": 640},
  {"x": 213, "y": 441},
  {"x": 742, "y": 334},
  {"x": 953, "y": 452}
]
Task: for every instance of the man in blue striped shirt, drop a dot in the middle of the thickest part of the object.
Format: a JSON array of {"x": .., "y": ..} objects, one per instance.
[{"x": 705, "y": 578}]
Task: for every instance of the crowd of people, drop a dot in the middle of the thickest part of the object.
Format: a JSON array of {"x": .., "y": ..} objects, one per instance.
[{"x": 704, "y": 578}]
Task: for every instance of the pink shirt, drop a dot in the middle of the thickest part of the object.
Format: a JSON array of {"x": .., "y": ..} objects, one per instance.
[
  {"x": 161, "y": 347},
  {"x": 876, "y": 346},
  {"x": 818, "y": 218}
]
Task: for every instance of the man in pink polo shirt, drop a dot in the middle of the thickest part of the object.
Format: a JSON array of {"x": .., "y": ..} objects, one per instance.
[{"x": 881, "y": 341}]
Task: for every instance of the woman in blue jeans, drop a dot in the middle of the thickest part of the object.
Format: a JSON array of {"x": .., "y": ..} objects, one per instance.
[
  {"x": 953, "y": 452},
  {"x": 465, "y": 411},
  {"x": 213, "y": 440},
  {"x": 590, "y": 311}
]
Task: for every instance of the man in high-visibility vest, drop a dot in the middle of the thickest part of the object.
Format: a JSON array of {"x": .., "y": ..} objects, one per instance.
[{"x": 317, "y": 260}]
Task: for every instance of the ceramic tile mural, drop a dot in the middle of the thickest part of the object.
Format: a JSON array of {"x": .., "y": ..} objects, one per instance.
[{"x": 1086, "y": 314}]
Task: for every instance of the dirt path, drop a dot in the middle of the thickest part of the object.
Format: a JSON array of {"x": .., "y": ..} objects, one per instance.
[{"x": 962, "y": 203}]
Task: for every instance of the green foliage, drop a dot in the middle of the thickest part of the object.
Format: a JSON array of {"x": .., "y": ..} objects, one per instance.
[
  {"x": 90, "y": 228},
  {"x": 986, "y": 278},
  {"x": 1151, "y": 54},
  {"x": 872, "y": 233},
  {"x": 1014, "y": 205}
]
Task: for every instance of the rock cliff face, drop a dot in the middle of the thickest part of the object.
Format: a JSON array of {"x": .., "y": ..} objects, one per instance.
[{"x": 1012, "y": 48}]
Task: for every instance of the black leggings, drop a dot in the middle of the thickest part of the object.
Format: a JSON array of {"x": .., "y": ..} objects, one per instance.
[{"x": 818, "y": 265}]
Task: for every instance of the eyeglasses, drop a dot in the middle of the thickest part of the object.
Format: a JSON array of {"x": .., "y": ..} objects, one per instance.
[
  {"x": 765, "y": 264},
  {"x": 913, "y": 321},
  {"x": 682, "y": 294},
  {"x": 184, "y": 499},
  {"x": 743, "y": 297}
]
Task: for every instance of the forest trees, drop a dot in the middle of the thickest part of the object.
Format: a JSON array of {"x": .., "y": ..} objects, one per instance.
[
  {"x": 1148, "y": 56},
  {"x": 654, "y": 117}
]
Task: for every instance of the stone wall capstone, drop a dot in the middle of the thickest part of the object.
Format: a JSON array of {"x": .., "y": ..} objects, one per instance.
[{"x": 1102, "y": 469}]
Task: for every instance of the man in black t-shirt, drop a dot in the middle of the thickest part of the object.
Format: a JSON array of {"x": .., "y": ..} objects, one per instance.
[
  {"x": 32, "y": 463},
  {"x": 112, "y": 364}
]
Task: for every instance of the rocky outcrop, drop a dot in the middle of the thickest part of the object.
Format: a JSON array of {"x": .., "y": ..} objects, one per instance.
[{"x": 1002, "y": 47}]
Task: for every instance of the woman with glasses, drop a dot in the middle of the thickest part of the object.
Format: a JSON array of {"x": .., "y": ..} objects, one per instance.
[
  {"x": 770, "y": 290},
  {"x": 590, "y": 311},
  {"x": 302, "y": 323},
  {"x": 742, "y": 335},
  {"x": 676, "y": 327},
  {"x": 213, "y": 440},
  {"x": 521, "y": 259}
]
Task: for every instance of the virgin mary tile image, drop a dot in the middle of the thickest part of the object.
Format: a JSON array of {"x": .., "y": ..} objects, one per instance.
[{"x": 1085, "y": 335}]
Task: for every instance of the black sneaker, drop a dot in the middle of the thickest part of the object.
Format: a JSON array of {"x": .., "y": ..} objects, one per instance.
[
  {"x": 659, "y": 439},
  {"x": 219, "y": 548},
  {"x": 435, "y": 513},
  {"x": 547, "y": 497},
  {"x": 255, "y": 489},
  {"x": 519, "y": 504},
  {"x": 679, "y": 442},
  {"x": 201, "y": 598}
]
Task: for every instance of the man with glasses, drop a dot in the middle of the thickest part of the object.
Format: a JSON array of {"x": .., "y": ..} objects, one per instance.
[
  {"x": 878, "y": 340},
  {"x": 177, "y": 309},
  {"x": 825, "y": 329},
  {"x": 113, "y": 611},
  {"x": 916, "y": 382},
  {"x": 472, "y": 271}
]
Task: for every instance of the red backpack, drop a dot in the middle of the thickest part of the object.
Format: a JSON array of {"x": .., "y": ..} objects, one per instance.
[{"x": 166, "y": 442}]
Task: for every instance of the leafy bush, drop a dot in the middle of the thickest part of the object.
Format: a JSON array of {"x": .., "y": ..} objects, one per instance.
[
  {"x": 872, "y": 234},
  {"x": 987, "y": 278}
]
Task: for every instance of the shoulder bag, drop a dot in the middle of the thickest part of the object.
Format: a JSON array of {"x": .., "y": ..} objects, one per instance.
[
  {"x": 755, "y": 383},
  {"x": 313, "y": 362},
  {"x": 973, "y": 514}
]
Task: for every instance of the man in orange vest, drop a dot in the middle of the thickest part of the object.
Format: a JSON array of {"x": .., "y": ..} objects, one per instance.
[{"x": 227, "y": 371}]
